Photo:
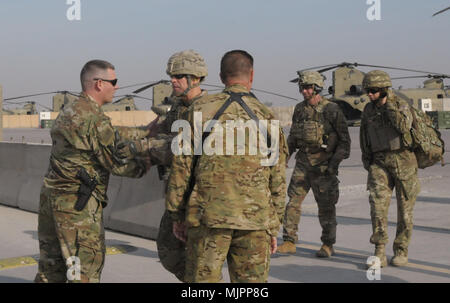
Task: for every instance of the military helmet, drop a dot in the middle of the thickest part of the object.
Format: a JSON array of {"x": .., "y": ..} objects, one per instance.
[
  {"x": 376, "y": 78},
  {"x": 187, "y": 62},
  {"x": 310, "y": 77}
]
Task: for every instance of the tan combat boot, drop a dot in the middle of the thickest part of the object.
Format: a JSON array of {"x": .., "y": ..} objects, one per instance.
[
  {"x": 325, "y": 251},
  {"x": 400, "y": 258},
  {"x": 287, "y": 248},
  {"x": 380, "y": 252}
]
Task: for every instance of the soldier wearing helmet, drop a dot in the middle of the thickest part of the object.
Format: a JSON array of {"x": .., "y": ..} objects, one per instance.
[
  {"x": 187, "y": 70},
  {"x": 320, "y": 134},
  {"x": 386, "y": 143}
]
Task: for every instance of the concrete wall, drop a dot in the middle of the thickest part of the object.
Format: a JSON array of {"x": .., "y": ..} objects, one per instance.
[
  {"x": 20, "y": 121},
  {"x": 135, "y": 206},
  {"x": 284, "y": 114},
  {"x": 130, "y": 118}
]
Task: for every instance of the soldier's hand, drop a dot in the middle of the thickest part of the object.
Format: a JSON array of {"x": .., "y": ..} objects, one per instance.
[
  {"x": 273, "y": 245},
  {"x": 333, "y": 168},
  {"x": 123, "y": 150},
  {"x": 180, "y": 231}
]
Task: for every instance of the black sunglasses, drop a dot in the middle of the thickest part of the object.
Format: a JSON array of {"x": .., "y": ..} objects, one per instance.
[
  {"x": 373, "y": 90},
  {"x": 113, "y": 82},
  {"x": 178, "y": 76}
]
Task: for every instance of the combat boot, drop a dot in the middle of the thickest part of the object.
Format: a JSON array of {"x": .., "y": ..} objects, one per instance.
[
  {"x": 287, "y": 247},
  {"x": 400, "y": 258},
  {"x": 380, "y": 252},
  {"x": 325, "y": 251}
]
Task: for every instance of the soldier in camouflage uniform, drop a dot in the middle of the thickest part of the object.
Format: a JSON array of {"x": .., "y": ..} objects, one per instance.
[
  {"x": 319, "y": 131},
  {"x": 187, "y": 70},
  {"x": 236, "y": 204},
  {"x": 71, "y": 241},
  {"x": 386, "y": 143}
]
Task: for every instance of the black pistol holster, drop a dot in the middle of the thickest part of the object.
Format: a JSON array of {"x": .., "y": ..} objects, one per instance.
[{"x": 87, "y": 186}]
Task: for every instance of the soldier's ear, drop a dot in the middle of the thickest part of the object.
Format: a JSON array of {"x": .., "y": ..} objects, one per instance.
[
  {"x": 221, "y": 78},
  {"x": 252, "y": 73}
]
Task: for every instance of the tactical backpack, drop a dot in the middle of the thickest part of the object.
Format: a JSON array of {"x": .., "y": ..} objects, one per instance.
[{"x": 427, "y": 142}]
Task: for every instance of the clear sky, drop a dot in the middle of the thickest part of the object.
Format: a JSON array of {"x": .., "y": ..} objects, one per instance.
[{"x": 42, "y": 51}]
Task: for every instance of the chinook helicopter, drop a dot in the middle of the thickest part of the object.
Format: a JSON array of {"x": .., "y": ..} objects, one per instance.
[
  {"x": 29, "y": 108},
  {"x": 346, "y": 89},
  {"x": 163, "y": 98}
]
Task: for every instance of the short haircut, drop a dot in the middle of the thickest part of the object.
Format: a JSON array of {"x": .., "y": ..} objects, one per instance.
[
  {"x": 236, "y": 64},
  {"x": 92, "y": 69}
]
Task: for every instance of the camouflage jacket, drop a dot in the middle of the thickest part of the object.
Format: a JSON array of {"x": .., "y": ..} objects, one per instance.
[
  {"x": 334, "y": 145},
  {"x": 230, "y": 191},
  {"x": 84, "y": 137},
  {"x": 392, "y": 117},
  {"x": 178, "y": 111}
]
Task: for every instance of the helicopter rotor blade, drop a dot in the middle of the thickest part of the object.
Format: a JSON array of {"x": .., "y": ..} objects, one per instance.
[
  {"x": 128, "y": 96},
  {"x": 256, "y": 90},
  {"x": 346, "y": 64},
  {"x": 398, "y": 68},
  {"x": 33, "y": 95},
  {"x": 441, "y": 11},
  {"x": 436, "y": 76},
  {"x": 150, "y": 85},
  {"x": 323, "y": 68},
  {"x": 355, "y": 64}
]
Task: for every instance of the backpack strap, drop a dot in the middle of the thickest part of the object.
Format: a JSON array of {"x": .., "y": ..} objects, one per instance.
[
  {"x": 236, "y": 97},
  {"x": 233, "y": 97}
]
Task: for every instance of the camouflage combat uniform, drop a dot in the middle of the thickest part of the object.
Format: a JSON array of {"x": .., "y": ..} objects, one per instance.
[
  {"x": 320, "y": 134},
  {"x": 385, "y": 141},
  {"x": 236, "y": 205},
  {"x": 171, "y": 251},
  {"x": 82, "y": 138}
]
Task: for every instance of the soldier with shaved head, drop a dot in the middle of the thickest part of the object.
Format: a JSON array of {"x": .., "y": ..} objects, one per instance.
[
  {"x": 235, "y": 204},
  {"x": 86, "y": 150}
]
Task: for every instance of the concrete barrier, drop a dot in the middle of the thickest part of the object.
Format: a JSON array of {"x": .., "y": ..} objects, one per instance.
[
  {"x": 13, "y": 172},
  {"x": 138, "y": 206},
  {"x": 135, "y": 205},
  {"x": 36, "y": 160}
]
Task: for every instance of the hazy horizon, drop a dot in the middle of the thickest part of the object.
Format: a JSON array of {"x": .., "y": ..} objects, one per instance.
[{"x": 42, "y": 51}]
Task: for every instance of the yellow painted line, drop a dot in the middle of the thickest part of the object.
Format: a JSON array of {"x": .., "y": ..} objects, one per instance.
[
  {"x": 364, "y": 257},
  {"x": 17, "y": 262}
]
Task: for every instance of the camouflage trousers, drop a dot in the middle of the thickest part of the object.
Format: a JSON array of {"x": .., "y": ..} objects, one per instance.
[
  {"x": 382, "y": 179},
  {"x": 171, "y": 251},
  {"x": 247, "y": 253},
  {"x": 326, "y": 193},
  {"x": 71, "y": 243}
]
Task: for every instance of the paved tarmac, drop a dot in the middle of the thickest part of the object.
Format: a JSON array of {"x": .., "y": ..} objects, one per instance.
[{"x": 135, "y": 259}]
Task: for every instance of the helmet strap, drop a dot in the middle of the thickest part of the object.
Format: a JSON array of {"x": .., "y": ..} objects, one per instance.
[{"x": 190, "y": 85}]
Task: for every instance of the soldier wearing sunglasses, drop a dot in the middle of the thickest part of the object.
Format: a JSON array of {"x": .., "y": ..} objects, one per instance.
[
  {"x": 86, "y": 150},
  {"x": 187, "y": 70},
  {"x": 386, "y": 143}
]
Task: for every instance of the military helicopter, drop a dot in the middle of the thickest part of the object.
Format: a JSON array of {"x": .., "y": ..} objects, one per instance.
[
  {"x": 61, "y": 98},
  {"x": 163, "y": 98},
  {"x": 346, "y": 89},
  {"x": 29, "y": 108}
]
